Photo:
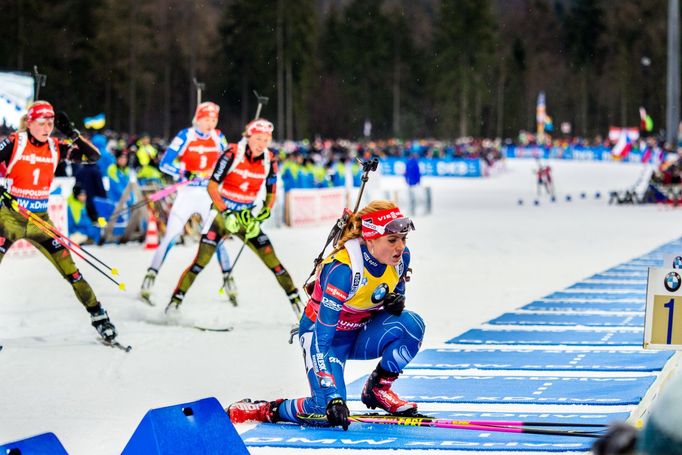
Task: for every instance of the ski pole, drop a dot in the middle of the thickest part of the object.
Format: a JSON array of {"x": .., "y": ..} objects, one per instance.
[
  {"x": 55, "y": 233},
  {"x": 61, "y": 240},
  {"x": 421, "y": 421},
  {"x": 156, "y": 196},
  {"x": 67, "y": 243}
]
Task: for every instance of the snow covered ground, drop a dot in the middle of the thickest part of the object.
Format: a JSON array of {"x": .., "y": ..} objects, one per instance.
[{"x": 477, "y": 256}]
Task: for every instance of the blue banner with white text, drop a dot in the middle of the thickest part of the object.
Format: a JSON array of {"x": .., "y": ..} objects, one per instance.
[{"x": 434, "y": 167}]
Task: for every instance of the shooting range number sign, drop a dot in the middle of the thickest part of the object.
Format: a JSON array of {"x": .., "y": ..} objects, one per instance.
[{"x": 663, "y": 318}]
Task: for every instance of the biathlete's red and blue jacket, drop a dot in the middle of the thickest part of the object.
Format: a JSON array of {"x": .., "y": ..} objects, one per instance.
[{"x": 196, "y": 152}]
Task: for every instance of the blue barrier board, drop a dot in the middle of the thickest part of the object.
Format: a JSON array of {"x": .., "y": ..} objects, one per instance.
[
  {"x": 596, "y": 320},
  {"x": 639, "y": 278},
  {"x": 558, "y": 337},
  {"x": 627, "y": 269},
  {"x": 650, "y": 262},
  {"x": 373, "y": 436},
  {"x": 584, "y": 305},
  {"x": 540, "y": 359},
  {"x": 610, "y": 286},
  {"x": 446, "y": 388},
  {"x": 596, "y": 295}
]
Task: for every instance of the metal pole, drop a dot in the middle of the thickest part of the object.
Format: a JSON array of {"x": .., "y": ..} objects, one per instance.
[
  {"x": 262, "y": 101},
  {"x": 200, "y": 86},
  {"x": 673, "y": 81},
  {"x": 40, "y": 80}
]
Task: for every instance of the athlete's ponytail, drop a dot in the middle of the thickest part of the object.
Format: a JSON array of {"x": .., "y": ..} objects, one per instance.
[{"x": 353, "y": 228}]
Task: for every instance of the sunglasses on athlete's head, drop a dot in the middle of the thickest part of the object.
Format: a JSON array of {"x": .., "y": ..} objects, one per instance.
[
  {"x": 397, "y": 226},
  {"x": 400, "y": 226}
]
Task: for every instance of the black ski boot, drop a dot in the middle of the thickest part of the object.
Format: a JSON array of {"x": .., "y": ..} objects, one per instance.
[{"x": 101, "y": 323}]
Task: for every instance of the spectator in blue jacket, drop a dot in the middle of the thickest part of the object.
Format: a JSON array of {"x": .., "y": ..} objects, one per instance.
[
  {"x": 412, "y": 173},
  {"x": 119, "y": 175}
]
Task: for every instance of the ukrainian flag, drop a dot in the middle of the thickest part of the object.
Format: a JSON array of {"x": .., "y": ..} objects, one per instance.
[{"x": 95, "y": 122}]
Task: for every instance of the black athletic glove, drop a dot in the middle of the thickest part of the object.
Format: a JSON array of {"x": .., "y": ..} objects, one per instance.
[
  {"x": 65, "y": 126},
  {"x": 394, "y": 303},
  {"x": 619, "y": 438},
  {"x": 337, "y": 413}
]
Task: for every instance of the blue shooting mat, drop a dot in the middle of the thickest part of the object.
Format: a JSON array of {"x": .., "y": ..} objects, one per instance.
[
  {"x": 596, "y": 295},
  {"x": 556, "y": 318},
  {"x": 365, "y": 436},
  {"x": 525, "y": 389},
  {"x": 610, "y": 286},
  {"x": 639, "y": 278},
  {"x": 540, "y": 359},
  {"x": 584, "y": 305},
  {"x": 551, "y": 337}
]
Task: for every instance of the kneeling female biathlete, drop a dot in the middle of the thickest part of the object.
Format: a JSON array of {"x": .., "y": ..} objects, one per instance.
[{"x": 357, "y": 312}]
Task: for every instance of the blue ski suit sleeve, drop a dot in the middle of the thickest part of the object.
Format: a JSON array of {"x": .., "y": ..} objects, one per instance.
[
  {"x": 338, "y": 276},
  {"x": 168, "y": 160}
]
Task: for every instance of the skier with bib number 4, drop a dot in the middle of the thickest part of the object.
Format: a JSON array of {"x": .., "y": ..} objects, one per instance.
[
  {"x": 192, "y": 155},
  {"x": 237, "y": 179},
  {"x": 356, "y": 311},
  {"x": 31, "y": 156}
]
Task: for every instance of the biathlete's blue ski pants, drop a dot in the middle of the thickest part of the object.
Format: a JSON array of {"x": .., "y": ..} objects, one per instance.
[{"x": 396, "y": 339}]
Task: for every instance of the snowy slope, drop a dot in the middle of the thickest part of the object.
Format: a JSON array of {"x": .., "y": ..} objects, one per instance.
[{"x": 478, "y": 255}]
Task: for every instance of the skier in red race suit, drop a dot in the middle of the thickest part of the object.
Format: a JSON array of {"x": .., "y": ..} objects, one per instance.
[
  {"x": 237, "y": 179},
  {"x": 356, "y": 311},
  {"x": 31, "y": 157}
]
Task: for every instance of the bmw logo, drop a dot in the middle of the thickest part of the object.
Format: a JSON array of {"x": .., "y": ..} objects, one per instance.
[
  {"x": 672, "y": 282},
  {"x": 677, "y": 262},
  {"x": 380, "y": 292}
]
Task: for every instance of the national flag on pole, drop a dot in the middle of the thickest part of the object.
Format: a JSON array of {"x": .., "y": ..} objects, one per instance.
[
  {"x": 646, "y": 123},
  {"x": 96, "y": 122},
  {"x": 540, "y": 114}
]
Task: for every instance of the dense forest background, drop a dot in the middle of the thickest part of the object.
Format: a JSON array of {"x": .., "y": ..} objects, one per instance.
[{"x": 414, "y": 68}]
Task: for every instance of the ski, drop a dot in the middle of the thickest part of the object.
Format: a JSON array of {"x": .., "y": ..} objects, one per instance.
[
  {"x": 213, "y": 329},
  {"x": 116, "y": 344},
  {"x": 146, "y": 299},
  {"x": 420, "y": 420}
]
